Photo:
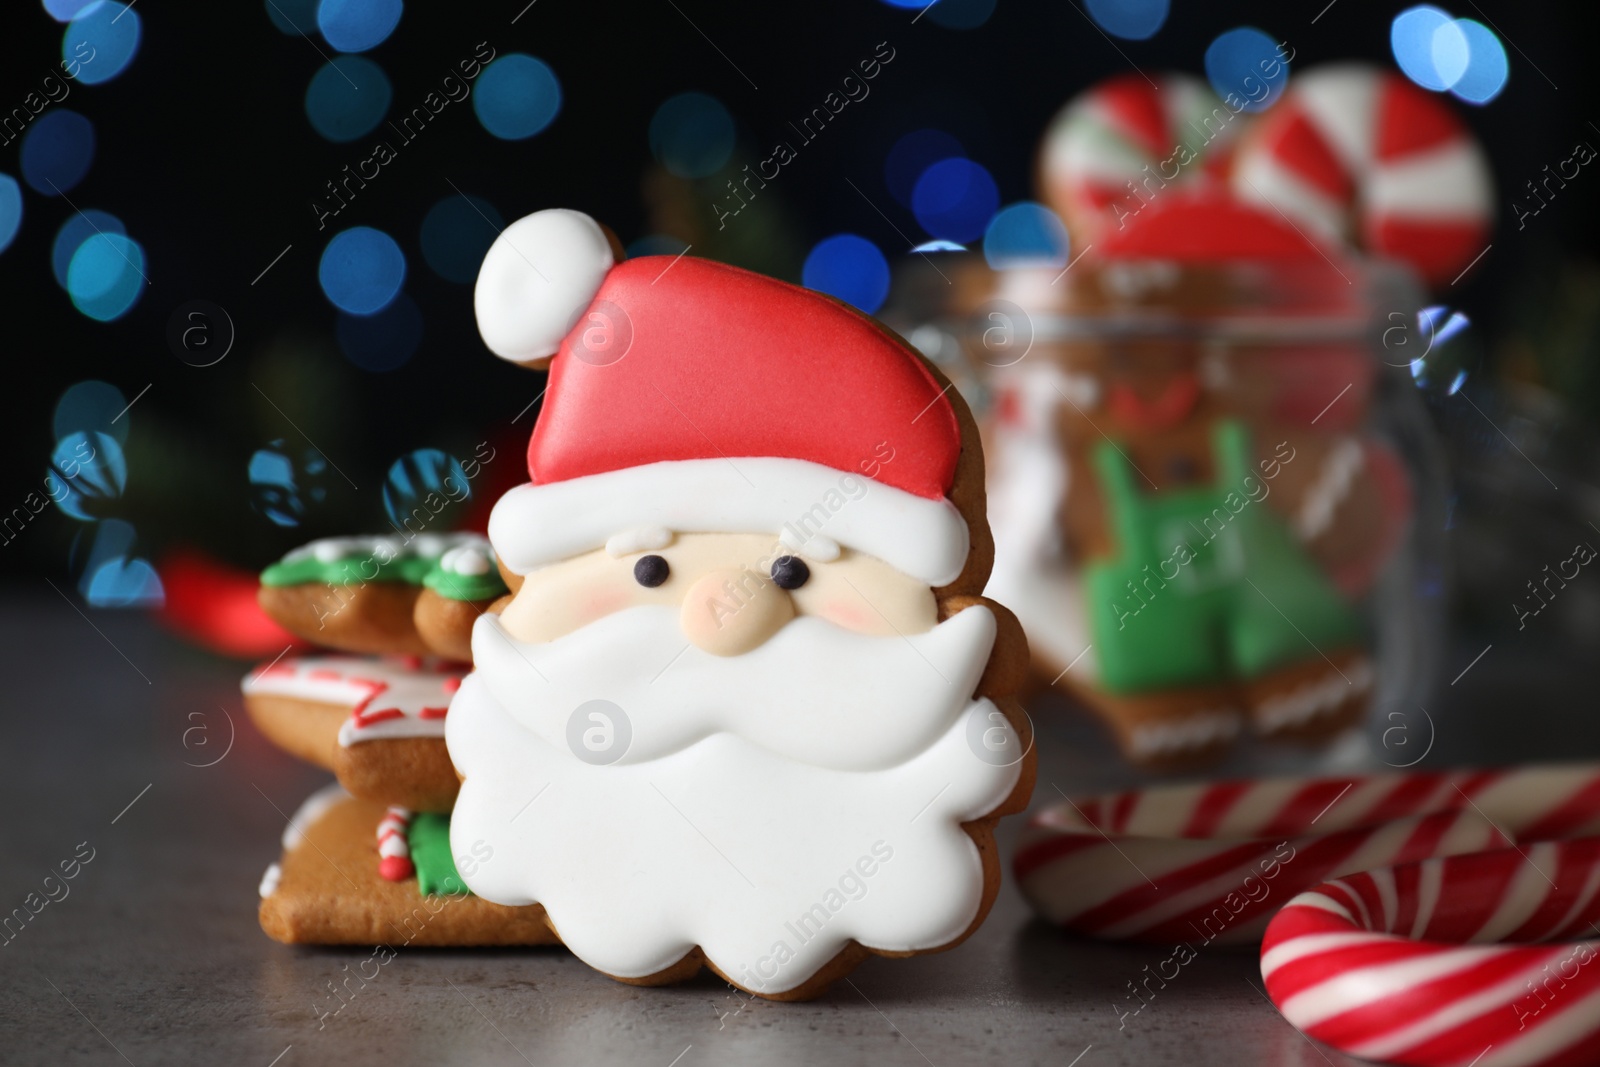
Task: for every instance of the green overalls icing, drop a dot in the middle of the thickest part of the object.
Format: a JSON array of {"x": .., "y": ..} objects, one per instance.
[{"x": 1159, "y": 622}]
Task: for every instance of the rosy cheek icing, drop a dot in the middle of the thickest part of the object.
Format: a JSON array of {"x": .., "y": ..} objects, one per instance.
[
  {"x": 850, "y": 616},
  {"x": 603, "y": 602}
]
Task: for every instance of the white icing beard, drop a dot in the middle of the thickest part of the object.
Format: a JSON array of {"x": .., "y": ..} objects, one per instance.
[{"x": 768, "y": 808}]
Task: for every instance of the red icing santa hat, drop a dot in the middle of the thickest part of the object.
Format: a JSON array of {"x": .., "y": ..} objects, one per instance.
[{"x": 687, "y": 396}]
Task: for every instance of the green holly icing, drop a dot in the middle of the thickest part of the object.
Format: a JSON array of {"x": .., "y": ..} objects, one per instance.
[
  {"x": 429, "y": 839},
  {"x": 456, "y": 566}
]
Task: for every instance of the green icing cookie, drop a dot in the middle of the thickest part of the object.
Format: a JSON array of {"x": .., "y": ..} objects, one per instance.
[
  {"x": 444, "y": 563},
  {"x": 465, "y": 586},
  {"x": 429, "y": 838}
]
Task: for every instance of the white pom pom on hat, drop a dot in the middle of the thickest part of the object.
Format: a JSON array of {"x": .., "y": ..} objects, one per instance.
[{"x": 537, "y": 280}]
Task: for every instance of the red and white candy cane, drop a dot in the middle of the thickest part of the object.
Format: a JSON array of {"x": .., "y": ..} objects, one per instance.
[
  {"x": 1362, "y": 154},
  {"x": 1215, "y": 860},
  {"x": 394, "y": 847},
  {"x": 1116, "y": 145},
  {"x": 1402, "y": 964}
]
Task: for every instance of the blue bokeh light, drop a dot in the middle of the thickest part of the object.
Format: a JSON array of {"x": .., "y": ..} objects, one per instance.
[
  {"x": 1132, "y": 20},
  {"x": 415, "y": 477},
  {"x": 361, "y": 270},
  {"x": 90, "y": 406},
  {"x": 87, "y": 470},
  {"x": 955, "y": 199},
  {"x": 1487, "y": 67},
  {"x": 456, "y": 232},
  {"x": 124, "y": 583},
  {"x": 57, "y": 151},
  {"x": 280, "y": 488},
  {"x": 77, "y": 229},
  {"x": 383, "y": 341},
  {"x": 517, "y": 96},
  {"x": 106, "y": 30},
  {"x": 961, "y": 14},
  {"x": 63, "y": 10},
  {"x": 10, "y": 210},
  {"x": 112, "y": 577},
  {"x": 691, "y": 134},
  {"x": 912, "y": 154},
  {"x": 1246, "y": 64},
  {"x": 850, "y": 268},
  {"x": 106, "y": 276},
  {"x": 358, "y": 25},
  {"x": 293, "y": 16},
  {"x": 1026, "y": 234},
  {"x": 1411, "y": 38},
  {"x": 347, "y": 98},
  {"x": 938, "y": 245}
]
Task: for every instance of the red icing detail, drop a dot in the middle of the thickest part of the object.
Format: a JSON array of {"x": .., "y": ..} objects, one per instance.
[
  {"x": 451, "y": 684},
  {"x": 433, "y": 713},
  {"x": 1134, "y": 106},
  {"x": 1300, "y": 147},
  {"x": 1168, "y": 409},
  {"x": 395, "y": 868},
  {"x": 1437, "y": 248},
  {"x": 1208, "y": 226},
  {"x": 214, "y": 606},
  {"x": 367, "y": 718},
  {"x": 1411, "y": 120},
  {"x": 726, "y": 363}
]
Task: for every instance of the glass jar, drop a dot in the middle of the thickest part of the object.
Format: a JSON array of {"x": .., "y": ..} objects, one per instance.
[{"x": 1216, "y": 498}]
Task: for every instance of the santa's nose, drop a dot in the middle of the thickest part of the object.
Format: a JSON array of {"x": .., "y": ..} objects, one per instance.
[{"x": 730, "y": 611}]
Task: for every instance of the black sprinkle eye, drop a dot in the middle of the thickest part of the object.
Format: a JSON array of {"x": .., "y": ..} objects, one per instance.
[
  {"x": 651, "y": 571},
  {"x": 790, "y": 572}
]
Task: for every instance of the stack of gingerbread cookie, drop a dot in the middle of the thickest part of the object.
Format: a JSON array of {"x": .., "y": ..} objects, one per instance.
[{"x": 369, "y": 859}]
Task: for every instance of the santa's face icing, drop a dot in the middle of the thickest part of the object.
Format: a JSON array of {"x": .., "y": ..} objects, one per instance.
[{"x": 655, "y": 793}]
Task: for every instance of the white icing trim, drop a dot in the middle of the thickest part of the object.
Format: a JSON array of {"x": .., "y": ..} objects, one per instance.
[
  {"x": 470, "y": 560},
  {"x": 673, "y": 704},
  {"x": 1315, "y": 698},
  {"x": 643, "y": 539},
  {"x": 315, "y": 807},
  {"x": 1193, "y": 731},
  {"x": 387, "y": 698},
  {"x": 537, "y": 280},
  {"x": 822, "y": 549},
  {"x": 533, "y": 525},
  {"x": 1323, "y": 498},
  {"x": 387, "y": 547},
  {"x": 269, "y": 880}
]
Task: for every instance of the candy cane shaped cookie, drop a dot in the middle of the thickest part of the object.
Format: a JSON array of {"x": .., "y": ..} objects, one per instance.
[
  {"x": 1407, "y": 964},
  {"x": 1216, "y": 860},
  {"x": 394, "y": 850},
  {"x": 1363, "y": 154},
  {"x": 1114, "y": 147}
]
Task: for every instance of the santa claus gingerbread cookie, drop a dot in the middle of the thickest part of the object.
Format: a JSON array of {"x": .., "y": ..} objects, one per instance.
[{"x": 746, "y": 708}]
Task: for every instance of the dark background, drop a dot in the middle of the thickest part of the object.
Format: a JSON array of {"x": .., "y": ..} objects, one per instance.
[{"x": 205, "y": 152}]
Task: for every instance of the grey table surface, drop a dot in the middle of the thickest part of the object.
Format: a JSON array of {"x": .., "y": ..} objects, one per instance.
[{"x": 155, "y": 957}]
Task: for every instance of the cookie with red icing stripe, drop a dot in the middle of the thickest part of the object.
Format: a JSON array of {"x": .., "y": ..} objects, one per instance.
[{"x": 376, "y": 722}]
